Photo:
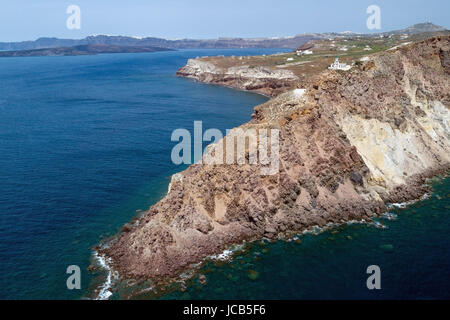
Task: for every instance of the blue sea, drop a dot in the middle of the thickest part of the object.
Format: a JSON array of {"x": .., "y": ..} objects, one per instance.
[{"x": 85, "y": 144}]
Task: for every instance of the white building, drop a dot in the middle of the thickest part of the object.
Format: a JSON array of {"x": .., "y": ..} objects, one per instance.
[
  {"x": 303, "y": 52},
  {"x": 336, "y": 65}
]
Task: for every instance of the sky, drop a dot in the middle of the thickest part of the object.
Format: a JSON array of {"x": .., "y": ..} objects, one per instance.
[{"x": 201, "y": 19}]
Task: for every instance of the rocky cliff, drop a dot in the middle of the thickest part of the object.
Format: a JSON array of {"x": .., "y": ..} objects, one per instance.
[
  {"x": 252, "y": 78},
  {"x": 349, "y": 143}
]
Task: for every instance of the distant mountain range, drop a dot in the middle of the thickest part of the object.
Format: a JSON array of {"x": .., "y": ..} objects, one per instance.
[
  {"x": 418, "y": 28},
  {"x": 220, "y": 43},
  {"x": 109, "y": 44},
  {"x": 89, "y": 49}
]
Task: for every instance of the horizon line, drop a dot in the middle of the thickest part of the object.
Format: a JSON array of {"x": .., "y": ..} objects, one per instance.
[{"x": 227, "y": 37}]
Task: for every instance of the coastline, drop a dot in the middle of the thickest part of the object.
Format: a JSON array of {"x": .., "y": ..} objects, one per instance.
[
  {"x": 163, "y": 286},
  {"x": 336, "y": 259},
  {"x": 104, "y": 290},
  {"x": 359, "y": 209},
  {"x": 265, "y": 81}
]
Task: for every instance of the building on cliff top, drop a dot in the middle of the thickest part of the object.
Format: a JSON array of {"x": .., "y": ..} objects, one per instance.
[
  {"x": 303, "y": 52},
  {"x": 336, "y": 65}
]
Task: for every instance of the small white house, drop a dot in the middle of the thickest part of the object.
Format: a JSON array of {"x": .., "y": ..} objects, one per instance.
[
  {"x": 304, "y": 52},
  {"x": 336, "y": 65}
]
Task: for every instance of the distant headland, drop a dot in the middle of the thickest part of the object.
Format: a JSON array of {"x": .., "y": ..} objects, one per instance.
[{"x": 95, "y": 44}]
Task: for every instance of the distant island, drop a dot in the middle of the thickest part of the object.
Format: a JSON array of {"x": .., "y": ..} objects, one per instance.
[
  {"x": 90, "y": 49},
  {"x": 97, "y": 44}
]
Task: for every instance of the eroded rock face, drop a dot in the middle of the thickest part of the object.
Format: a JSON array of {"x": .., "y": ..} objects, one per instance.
[
  {"x": 259, "y": 79},
  {"x": 348, "y": 144}
]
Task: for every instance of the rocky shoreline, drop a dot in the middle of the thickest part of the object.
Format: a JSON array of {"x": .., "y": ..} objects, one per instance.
[
  {"x": 258, "y": 79},
  {"x": 349, "y": 145}
]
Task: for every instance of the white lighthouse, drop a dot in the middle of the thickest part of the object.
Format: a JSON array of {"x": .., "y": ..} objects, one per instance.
[{"x": 336, "y": 65}]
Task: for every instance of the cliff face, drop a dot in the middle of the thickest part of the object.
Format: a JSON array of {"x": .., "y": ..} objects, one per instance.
[
  {"x": 259, "y": 79},
  {"x": 348, "y": 144}
]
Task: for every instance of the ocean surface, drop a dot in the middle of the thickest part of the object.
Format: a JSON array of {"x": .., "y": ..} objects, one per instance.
[{"x": 85, "y": 144}]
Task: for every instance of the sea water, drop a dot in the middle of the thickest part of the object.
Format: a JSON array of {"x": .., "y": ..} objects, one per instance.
[{"x": 85, "y": 144}]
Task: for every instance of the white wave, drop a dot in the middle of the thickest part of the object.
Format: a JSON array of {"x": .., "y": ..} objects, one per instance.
[
  {"x": 389, "y": 216},
  {"x": 105, "y": 289},
  {"x": 403, "y": 205},
  {"x": 378, "y": 225},
  {"x": 227, "y": 253}
]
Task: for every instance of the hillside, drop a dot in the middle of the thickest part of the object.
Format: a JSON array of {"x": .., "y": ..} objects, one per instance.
[
  {"x": 349, "y": 143},
  {"x": 80, "y": 50},
  {"x": 274, "y": 74},
  {"x": 219, "y": 43}
]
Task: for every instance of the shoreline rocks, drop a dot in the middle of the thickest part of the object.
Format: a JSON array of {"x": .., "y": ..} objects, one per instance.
[{"x": 258, "y": 79}]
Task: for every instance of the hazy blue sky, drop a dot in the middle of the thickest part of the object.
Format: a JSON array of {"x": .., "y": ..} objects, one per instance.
[{"x": 27, "y": 20}]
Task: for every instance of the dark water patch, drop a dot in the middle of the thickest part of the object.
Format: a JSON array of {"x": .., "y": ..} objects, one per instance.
[{"x": 84, "y": 143}]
